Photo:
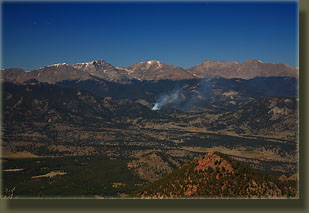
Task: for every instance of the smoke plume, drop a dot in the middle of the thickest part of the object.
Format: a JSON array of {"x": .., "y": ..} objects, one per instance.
[{"x": 165, "y": 99}]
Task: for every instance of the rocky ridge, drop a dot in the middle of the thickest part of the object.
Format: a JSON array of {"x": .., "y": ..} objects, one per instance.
[
  {"x": 246, "y": 70},
  {"x": 151, "y": 70},
  {"x": 218, "y": 176}
]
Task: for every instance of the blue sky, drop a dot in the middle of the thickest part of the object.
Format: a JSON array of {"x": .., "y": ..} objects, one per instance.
[{"x": 182, "y": 34}]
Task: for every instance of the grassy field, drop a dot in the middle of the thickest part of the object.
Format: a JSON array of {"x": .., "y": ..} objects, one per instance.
[{"x": 69, "y": 177}]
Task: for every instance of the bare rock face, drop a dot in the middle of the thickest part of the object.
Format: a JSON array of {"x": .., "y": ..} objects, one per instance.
[
  {"x": 294, "y": 177},
  {"x": 103, "y": 70},
  {"x": 283, "y": 178},
  {"x": 56, "y": 73},
  {"x": 15, "y": 75},
  {"x": 246, "y": 70},
  {"x": 150, "y": 70},
  {"x": 155, "y": 70},
  {"x": 218, "y": 176},
  {"x": 215, "y": 162},
  {"x": 210, "y": 69},
  {"x": 64, "y": 72},
  {"x": 49, "y": 74}
]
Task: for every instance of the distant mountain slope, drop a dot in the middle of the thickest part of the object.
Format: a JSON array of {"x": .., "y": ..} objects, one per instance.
[
  {"x": 49, "y": 74},
  {"x": 192, "y": 94},
  {"x": 155, "y": 164},
  {"x": 149, "y": 71},
  {"x": 61, "y": 72},
  {"x": 13, "y": 75},
  {"x": 39, "y": 116},
  {"x": 218, "y": 176},
  {"x": 267, "y": 116},
  {"x": 155, "y": 70},
  {"x": 40, "y": 102},
  {"x": 225, "y": 94},
  {"x": 104, "y": 70},
  {"x": 45, "y": 119},
  {"x": 246, "y": 70}
]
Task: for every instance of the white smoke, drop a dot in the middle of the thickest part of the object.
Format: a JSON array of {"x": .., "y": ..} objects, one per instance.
[
  {"x": 164, "y": 99},
  {"x": 186, "y": 97},
  {"x": 156, "y": 107}
]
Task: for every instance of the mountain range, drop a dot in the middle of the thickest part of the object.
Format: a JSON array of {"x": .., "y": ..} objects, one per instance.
[
  {"x": 150, "y": 70},
  {"x": 152, "y": 120}
]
